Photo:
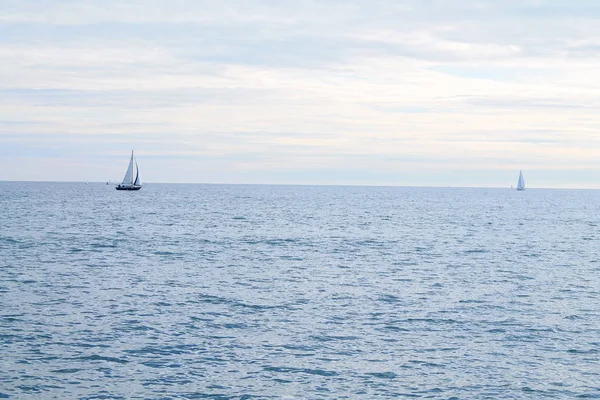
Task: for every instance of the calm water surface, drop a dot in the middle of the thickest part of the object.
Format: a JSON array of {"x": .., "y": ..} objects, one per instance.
[{"x": 258, "y": 292}]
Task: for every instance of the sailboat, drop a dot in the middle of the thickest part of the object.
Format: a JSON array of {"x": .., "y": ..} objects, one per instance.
[
  {"x": 131, "y": 181},
  {"x": 521, "y": 183}
]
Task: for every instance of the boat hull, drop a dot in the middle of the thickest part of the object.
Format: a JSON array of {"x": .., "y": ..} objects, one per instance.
[{"x": 128, "y": 187}]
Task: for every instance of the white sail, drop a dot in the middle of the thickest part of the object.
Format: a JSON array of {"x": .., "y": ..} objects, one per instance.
[
  {"x": 128, "y": 179},
  {"x": 521, "y": 183},
  {"x": 131, "y": 180},
  {"x": 137, "y": 181}
]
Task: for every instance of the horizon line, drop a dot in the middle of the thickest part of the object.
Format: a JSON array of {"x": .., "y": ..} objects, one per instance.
[{"x": 307, "y": 184}]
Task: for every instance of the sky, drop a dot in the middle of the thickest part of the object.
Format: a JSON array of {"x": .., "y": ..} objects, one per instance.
[{"x": 353, "y": 92}]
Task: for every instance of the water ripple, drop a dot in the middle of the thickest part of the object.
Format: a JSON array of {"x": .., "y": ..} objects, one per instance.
[{"x": 274, "y": 292}]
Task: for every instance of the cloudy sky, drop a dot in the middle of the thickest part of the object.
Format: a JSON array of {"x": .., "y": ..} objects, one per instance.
[{"x": 381, "y": 92}]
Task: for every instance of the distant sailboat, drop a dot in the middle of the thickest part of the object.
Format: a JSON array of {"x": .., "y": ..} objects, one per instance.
[
  {"x": 131, "y": 181},
  {"x": 521, "y": 183}
]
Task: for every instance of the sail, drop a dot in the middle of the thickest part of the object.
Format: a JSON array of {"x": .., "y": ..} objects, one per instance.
[
  {"x": 521, "y": 183},
  {"x": 137, "y": 181},
  {"x": 128, "y": 179}
]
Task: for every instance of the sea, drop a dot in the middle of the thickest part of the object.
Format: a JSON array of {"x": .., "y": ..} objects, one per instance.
[{"x": 189, "y": 291}]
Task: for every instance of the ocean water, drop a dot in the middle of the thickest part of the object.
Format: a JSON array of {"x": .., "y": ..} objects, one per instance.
[{"x": 304, "y": 292}]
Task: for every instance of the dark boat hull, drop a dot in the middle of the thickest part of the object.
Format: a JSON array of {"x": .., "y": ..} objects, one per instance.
[{"x": 128, "y": 187}]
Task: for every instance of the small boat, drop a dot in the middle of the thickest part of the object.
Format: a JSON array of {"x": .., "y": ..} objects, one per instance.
[
  {"x": 131, "y": 181},
  {"x": 521, "y": 183}
]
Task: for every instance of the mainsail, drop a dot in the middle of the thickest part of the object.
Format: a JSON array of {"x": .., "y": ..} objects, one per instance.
[
  {"x": 521, "y": 183},
  {"x": 128, "y": 179}
]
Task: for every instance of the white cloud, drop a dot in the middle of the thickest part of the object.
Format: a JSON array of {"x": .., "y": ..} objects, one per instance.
[{"x": 462, "y": 85}]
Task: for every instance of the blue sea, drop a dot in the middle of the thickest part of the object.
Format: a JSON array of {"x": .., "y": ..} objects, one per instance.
[{"x": 298, "y": 292}]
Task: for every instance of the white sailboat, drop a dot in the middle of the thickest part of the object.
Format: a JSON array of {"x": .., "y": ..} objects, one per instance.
[
  {"x": 521, "y": 183},
  {"x": 131, "y": 181}
]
